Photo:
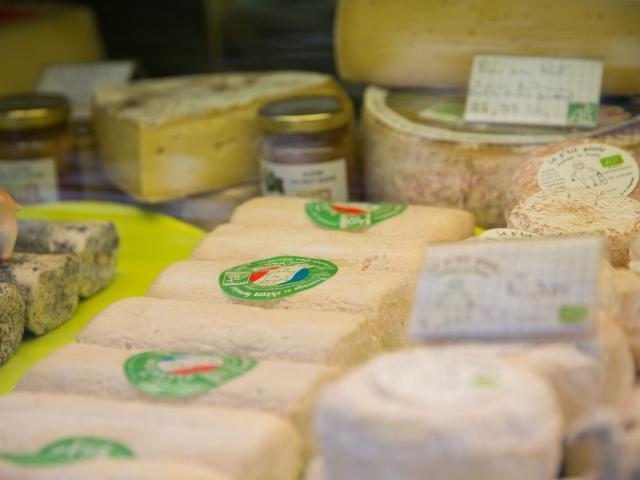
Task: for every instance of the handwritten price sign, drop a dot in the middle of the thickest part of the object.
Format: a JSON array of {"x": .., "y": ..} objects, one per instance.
[{"x": 534, "y": 91}]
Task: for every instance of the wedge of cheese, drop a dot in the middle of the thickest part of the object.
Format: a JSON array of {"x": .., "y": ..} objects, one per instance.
[
  {"x": 385, "y": 299},
  {"x": 408, "y": 413},
  {"x": 431, "y": 224},
  {"x": 241, "y": 443},
  {"x": 358, "y": 253},
  {"x": 332, "y": 338},
  {"x": 125, "y": 375},
  {"x": 581, "y": 211},
  {"x": 204, "y": 127},
  {"x": 413, "y": 43},
  {"x": 109, "y": 469}
]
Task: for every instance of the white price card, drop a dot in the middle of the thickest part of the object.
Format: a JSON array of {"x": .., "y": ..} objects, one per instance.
[
  {"x": 522, "y": 290},
  {"x": 79, "y": 80},
  {"x": 534, "y": 91}
]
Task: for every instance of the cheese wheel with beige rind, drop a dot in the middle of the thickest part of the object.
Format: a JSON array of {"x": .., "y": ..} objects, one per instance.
[
  {"x": 412, "y": 412},
  {"x": 240, "y": 443},
  {"x": 430, "y": 224},
  {"x": 385, "y": 298},
  {"x": 580, "y": 211},
  {"x": 145, "y": 323}
]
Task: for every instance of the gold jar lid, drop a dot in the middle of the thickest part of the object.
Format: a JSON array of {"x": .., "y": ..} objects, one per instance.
[
  {"x": 33, "y": 111},
  {"x": 304, "y": 114}
]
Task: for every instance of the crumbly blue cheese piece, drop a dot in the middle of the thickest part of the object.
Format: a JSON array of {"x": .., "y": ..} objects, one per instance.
[
  {"x": 11, "y": 321},
  {"x": 95, "y": 244},
  {"x": 48, "y": 285}
]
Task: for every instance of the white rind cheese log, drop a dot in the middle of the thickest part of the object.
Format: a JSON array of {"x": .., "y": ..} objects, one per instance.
[
  {"x": 617, "y": 362},
  {"x": 359, "y": 253},
  {"x": 385, "y": 298},
  {"x": 431, "y": 224},
  {"x": 107, "y": 469},
  {"x": 456, "y": 416},
  {"x": 580, "y": 211},
  {"x": 241, "y": 443},
  {"x": 283, "y": 388},
  {"x": 332, "y": 338}
]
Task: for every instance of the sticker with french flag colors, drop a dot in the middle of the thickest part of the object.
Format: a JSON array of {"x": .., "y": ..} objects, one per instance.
[{"x": 350, "y": 215}]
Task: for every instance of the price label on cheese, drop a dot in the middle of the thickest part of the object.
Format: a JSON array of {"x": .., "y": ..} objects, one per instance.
[
  {"x": 508, "y": 290},
  {"x": 534, "y": 91}
]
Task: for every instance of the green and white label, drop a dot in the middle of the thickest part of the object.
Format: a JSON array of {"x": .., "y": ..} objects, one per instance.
[
  {"x": 182, "y": 374},
  {"x": 597, "y": 166},
  {"x": 275, "y": 277},
  {"x": 350, "y": 215},
  {"x": 70, "y": 450}
]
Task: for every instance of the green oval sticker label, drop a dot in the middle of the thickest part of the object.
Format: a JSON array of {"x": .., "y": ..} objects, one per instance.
[
  {"x": 69, "y": 450},
  {"x": 350, "y": 215},
  {"x": 182, "y": 374},
  {"x": 275, "y": 277}
]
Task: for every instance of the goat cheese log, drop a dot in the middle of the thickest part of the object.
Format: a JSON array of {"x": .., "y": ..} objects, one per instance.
[
  {"x": 244, "y": 444},
  {"x": 332, "y": 338},
  {"x": 109, "y": 469},
  {"x": 454, "y": 415},
  {"x": 385, "y": 299},
  {"x": 283, "y": 388},
  {"x": 430, "y": 224},
  {"x": 359, "y": 253},
  {"x": 95, "y": 244},
  {"x": 11, "y": 321},
  {"x": 48, "y": 285},
  {"x": 581, "y": 211}
]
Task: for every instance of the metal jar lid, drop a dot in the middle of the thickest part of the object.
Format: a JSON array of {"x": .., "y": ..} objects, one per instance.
[
  {"x": 305, "y": 114},
  {"x": 33, "y": 111}
]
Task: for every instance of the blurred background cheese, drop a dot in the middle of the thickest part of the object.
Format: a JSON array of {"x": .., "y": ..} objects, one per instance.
[
  {"x": 168, "y": 138},
  {"x": 417, "y": 149},
  {"x": 35, "y": 35},
  {"x": 428, "y": 43}
]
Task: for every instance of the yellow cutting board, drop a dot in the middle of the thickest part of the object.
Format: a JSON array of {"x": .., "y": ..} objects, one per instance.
[{"x": 148, "y": 243}]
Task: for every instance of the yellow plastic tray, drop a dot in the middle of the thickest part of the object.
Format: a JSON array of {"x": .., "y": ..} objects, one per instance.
[{"x": 148, "y": 243}]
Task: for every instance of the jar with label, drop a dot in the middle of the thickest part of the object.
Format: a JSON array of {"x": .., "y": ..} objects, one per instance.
[
  {"x": 308, "y": 148},
  {"x": 34, "y": 146}
]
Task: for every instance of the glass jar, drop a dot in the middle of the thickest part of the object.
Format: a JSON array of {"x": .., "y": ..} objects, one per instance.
[
  {"x": 308, "y": 148},
  {"x": 35, "y": 146}
]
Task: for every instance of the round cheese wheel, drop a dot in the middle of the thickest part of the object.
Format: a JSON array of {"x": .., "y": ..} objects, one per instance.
[
  {"x": 452, "y": 413},
  {"x": 581, "y": 211}
]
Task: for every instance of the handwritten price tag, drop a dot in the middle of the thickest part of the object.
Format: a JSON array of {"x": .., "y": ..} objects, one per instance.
[
  {"x": 508, "y": 290},
  {"x": 534, "y": 91}
]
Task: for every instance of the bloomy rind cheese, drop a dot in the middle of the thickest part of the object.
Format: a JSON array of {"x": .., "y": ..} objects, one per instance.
[
  {"x": 106, "y": 469},
  {"x": 243, "y": 443},
  {"x": 359, "y": 253},
  {"x": 12, "y": 319},
  {"x": 204, "y": 126},
  {"x": 581, "y": 211},
  {"x": 95, "y": 244},
  {"x": 99, "y": 372},
  {"x": 431, "y": 224},
  {"x": 331, "y": 338},
  {"x": 384, "y": 298},
  {"x": 48, "y": 285}
]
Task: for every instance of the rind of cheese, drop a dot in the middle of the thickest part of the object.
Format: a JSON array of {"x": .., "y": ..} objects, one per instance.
[
  {"x": 525, "y": 178},
  {"x": 204, "y": 127},
  {"x": 385, "y": 298},
  {"x": 105, "y": 469},
  {"x": 358, "y": 253},
  {"x": 581, "y": 211},
  {"x": 331, "y": 338},
  {"x": 48, "y": 285},
  {"x": 431, "y": 224},
  {"x": 12, "y": 319},
  {"x": 99, "y": 372},
  {"x": 412, "y": 43},
  {"x": 240, "y": 443},
  {"x": 408, "y": 413}
]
